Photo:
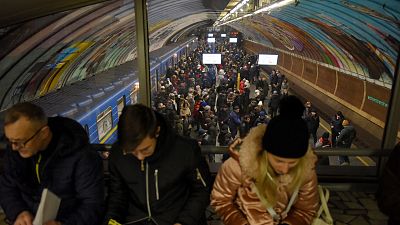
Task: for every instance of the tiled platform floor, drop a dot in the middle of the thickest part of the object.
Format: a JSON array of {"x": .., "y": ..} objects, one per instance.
[{"x": 347, "y": 208}]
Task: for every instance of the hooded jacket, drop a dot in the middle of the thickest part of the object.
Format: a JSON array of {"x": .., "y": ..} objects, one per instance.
[
  {"x": 170, "y": 187},
  {"x": 234, "y": 199},
  {"x": 68, "y": 167},
  {"x": 346, "y": 137}
]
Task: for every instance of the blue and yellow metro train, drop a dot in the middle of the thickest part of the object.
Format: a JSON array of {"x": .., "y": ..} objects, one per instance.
[{"x": 97, "y": 101}]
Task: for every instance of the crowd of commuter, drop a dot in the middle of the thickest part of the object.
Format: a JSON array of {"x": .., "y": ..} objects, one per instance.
[
  {"x": 157, "y": 173},
  {"x": 215, "y": 103}
]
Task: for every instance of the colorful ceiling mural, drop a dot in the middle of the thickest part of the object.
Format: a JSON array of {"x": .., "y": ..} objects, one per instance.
[
  {"x": 39, "y": 56},
  {"x": 44, "y": 54},
  {"x": 359, "y": 36}
]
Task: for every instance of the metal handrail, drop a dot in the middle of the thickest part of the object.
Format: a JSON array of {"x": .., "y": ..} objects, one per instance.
[
  {"x": 349, "y": 176},
  {"x": 208, "y": 149},
  {"x": 224, "y": 149}
]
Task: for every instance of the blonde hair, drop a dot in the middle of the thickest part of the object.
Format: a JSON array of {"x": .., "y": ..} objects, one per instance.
[{"x": 267, "y": 180}]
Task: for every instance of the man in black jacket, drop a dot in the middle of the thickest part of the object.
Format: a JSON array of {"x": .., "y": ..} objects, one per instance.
[
  {"x": 51, "y": 153},
  {"x": 156, "y": 176}
]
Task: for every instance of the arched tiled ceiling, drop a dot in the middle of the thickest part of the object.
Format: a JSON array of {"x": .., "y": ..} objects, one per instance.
[
  {"x": 60, "y": 49},
  {"x": 361, "y": 37}
]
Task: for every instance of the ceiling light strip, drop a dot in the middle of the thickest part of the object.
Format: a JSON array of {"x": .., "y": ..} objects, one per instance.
[{"x": 264, "y": 9}]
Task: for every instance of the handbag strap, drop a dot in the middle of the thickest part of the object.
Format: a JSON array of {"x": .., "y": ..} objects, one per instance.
[
  {"x": 291, "y": 201},
  {"x": 324, "y": 197},
  {"x": 272, "y": 212}
]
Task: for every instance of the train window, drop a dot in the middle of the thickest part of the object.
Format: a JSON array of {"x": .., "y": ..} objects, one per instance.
[
  {"x": 157, "y": 74},
  {"x": 104, "y": 123},
  {"x": 120, "y": 105}
]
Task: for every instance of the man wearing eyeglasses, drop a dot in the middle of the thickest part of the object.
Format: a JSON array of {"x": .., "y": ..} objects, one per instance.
[{"x": 51, "y": 153}]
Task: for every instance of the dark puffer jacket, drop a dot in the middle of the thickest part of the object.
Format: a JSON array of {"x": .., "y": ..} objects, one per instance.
[
  {"x": 69, "y": 168},
  {"x": 388, "y": 195},
  {"x": 171, "y": 188}
]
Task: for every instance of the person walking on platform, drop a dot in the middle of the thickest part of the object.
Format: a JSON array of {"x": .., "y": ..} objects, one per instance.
[
  {"x": 52, "y": 153},
  {"x": 245, "y": 126},
  {"x": 274, "y": 103},
  {"x": 336, "y": 126},
  {"x": 156, "y": 176},
  {"x": 312, "y": 120},
  {"x": 345, "y": 139},
  {"x": 388, "y": 194},
  {"x": 234, "y": 121},
  {"x": 274, "y": 166}
]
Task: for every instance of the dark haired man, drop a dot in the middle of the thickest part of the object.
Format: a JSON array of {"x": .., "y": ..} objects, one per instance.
[
  {"x": 157, "y": 177},
  {"x": 51, "y": 153},
  {"x": 345, "y": 139}
]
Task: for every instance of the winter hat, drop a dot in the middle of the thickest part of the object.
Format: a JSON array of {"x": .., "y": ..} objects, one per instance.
[
  {"x": 287, "y": 135},
  {"x": 202, "y": 132}
]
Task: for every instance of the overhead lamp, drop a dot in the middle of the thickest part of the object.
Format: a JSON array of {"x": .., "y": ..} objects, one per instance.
[
  {"x": 274, "y": 6},
  {"x": 237, "y": 7},
  {"x": 264, "y": 9}
]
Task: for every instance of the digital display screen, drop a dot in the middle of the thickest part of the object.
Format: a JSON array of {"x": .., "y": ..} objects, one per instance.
[
  {"x": 265, "y": 59},
  {"x": 232, "y": 40},
  {"x": 210, "y": 35},
  {"x": 210, "y": 40},
  {"x": 223, "y": 35},
  {"x": 211, "y": 58}
]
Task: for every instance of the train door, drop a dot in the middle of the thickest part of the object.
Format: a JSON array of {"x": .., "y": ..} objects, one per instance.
[
  {"x": 153, "y": 81},
  {"x": 104, "y": 124},
  {"x": 134, "y": 93},
  {"x": 86, "y": 127},
  {"x": 121, "y": 104},
  {"x": 157, "y": 78}
]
